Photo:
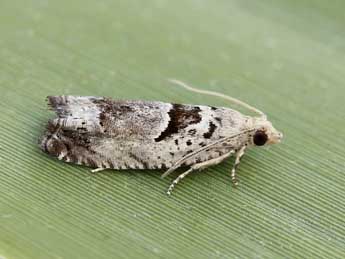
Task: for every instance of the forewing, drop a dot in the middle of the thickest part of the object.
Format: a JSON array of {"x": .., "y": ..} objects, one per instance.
[{"x": 102, "y": 132}]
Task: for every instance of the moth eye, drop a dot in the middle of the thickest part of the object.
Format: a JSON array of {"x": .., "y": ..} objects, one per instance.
[{"x": 260, "y": 138}]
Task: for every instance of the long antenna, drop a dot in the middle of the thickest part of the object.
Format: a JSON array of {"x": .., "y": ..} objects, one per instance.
[{"x": 226, "y": 97}]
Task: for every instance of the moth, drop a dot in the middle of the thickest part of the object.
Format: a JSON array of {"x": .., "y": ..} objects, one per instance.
[{"x": 104, "y": 133}]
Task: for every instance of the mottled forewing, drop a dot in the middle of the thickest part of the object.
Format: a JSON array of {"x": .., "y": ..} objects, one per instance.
[{"x": 101, "y": 132}]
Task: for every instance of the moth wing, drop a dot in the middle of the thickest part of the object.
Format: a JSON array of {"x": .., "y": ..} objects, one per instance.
[
  {"x": 102, "y": 132},
  {"x": 105, "y": 117},
  {"x": 136, "y": 134}
]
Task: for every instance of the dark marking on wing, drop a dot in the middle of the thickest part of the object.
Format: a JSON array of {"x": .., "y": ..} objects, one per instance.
[
  {"x": 192, "y": 132},
  {"x": 110, "y": 162},
  {"x": 181, "y": 116},
  {"x": 212, "y": 127},
  {"x": 73, "y": 145},
  {"x": 114, "y": 107},
  {"x": 91, "y": 162},
  {"x": 139, "y": 160},
  {"x": 145, "y": 164},
  {"x": 111, "y": 109},
  {"x": 78, "y": 138},
  {"x": 188, "y": 152},
  {"x": 219, "y": 120}
]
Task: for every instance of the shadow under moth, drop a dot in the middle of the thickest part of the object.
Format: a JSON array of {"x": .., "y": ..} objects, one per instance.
[{"x": 103, "y": 133}]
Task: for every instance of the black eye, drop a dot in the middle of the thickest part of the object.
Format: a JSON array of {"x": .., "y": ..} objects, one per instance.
[{"x": 260, "y": 138}]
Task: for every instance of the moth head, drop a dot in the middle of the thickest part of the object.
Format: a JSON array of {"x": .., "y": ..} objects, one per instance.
[{"x": 264, "y": 133}]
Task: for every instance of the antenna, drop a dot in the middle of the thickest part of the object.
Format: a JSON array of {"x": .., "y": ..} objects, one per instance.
[{"x": 226, "y": 97}]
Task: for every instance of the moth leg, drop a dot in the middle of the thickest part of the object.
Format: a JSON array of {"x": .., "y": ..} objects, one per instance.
[
  {"x": 98, "y": 169},
  {"x": 198, "y": 166},
  {"x": 239, "y": 155},
  {"x": 179, "y": 178}
]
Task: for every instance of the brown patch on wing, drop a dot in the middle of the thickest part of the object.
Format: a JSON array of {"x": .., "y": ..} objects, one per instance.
[
  {"x": 181, "y": 116},
  {"x": 72, "y": 145},
  {"x": 115, "y": 108},
  {"x": 79, "y": 137}
]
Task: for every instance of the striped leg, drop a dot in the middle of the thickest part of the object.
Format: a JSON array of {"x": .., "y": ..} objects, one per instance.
[
  {"x": 239, "y": 155},
  {"x": 198, "y": 166}
]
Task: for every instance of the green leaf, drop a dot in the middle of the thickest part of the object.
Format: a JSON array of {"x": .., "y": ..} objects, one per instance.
[{"x": 284, "y": 57}]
